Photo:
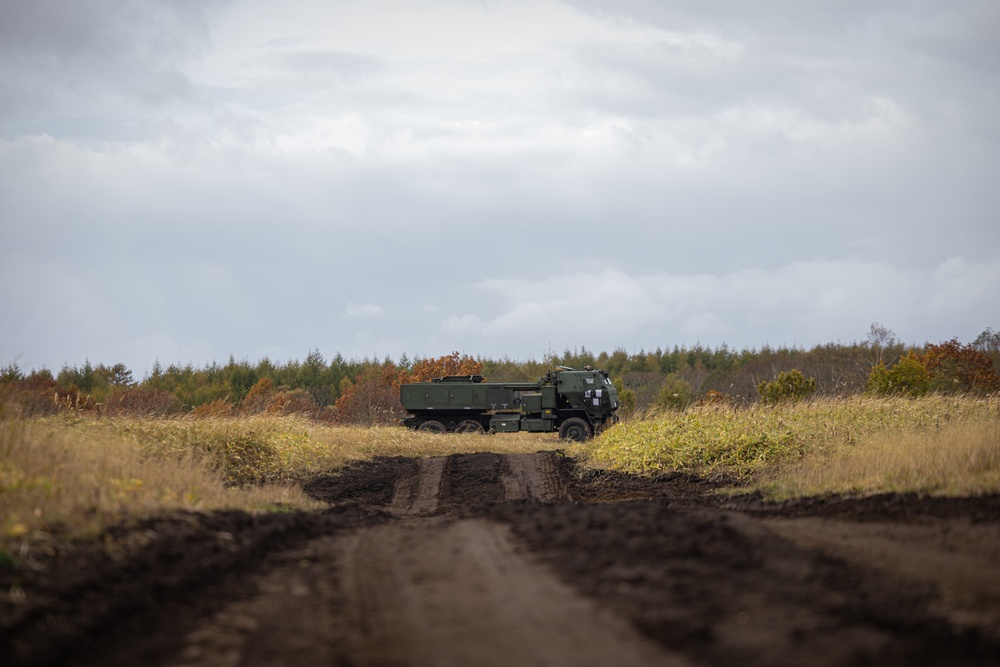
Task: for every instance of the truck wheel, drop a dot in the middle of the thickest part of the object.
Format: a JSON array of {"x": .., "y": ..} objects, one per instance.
[
  {"x": 576, "y": 429},
  {"x": 469, "y": 426},
  {"x": 432, "y": 426}
]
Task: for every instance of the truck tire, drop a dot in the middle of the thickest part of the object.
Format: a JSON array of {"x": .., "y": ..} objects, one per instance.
[
  {"x": 469, "y": 426},
  {"x": 575, "y": 429},
  {"x": 432, "y": 426}
]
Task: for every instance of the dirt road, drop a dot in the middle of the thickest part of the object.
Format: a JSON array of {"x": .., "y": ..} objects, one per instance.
[{"x": 518, "y": 560}]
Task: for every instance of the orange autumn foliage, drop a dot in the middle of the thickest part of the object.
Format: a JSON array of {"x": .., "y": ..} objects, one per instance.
[
  {"x": 374, "y": 398},
  {"x": 452, "y": 364},
  {"x": 954, "y": 367}
]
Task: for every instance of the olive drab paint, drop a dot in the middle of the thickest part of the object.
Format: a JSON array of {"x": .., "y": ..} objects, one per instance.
[{"x": 575, "y": 403}]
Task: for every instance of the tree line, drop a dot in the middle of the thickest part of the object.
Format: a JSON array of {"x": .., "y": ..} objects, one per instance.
[{"x": 366, "y": 390}]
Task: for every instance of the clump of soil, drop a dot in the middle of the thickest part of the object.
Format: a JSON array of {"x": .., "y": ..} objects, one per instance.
[{"x": 362, "y": 482}]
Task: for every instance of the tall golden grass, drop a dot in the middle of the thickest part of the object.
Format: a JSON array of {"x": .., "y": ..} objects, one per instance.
[
  {"x": 72, "y": 476},
  {"x": 60, "y": 478},
  {"x": 959, "y": 459},
  {"x": 932, "y": 439}
]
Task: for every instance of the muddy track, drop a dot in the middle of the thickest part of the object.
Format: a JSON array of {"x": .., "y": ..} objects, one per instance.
[{"x": 519, "y": 559}]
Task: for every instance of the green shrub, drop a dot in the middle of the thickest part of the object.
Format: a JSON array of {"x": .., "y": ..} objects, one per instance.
[
  {"x": 626, "y": 400},
  {"x": 790, "y": 386},
  {"x": 907, "y": 377},
  {"x": 675, "y": 394},
  {"x": 10, "y": 373}
]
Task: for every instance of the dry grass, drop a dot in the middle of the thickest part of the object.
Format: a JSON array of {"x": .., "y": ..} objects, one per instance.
[
  {"x": 957, "y": 460},
  {"x": 290, "y": 448},
  {"x": 72, "y": 476},
  {"x": 787, "y": 448},
  {"x": 60, "y": 479}
]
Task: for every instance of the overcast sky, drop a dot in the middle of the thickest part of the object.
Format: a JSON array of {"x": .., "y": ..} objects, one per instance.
[{"x": 188, "y": 180}]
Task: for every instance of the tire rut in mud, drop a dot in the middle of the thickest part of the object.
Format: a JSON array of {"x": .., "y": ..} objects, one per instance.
[
  {"x": 534, "y": 476},
  {"x": 432, "y": 486},
  {"x": 430, "y": 588},
  {"x": 94, "y": 602},
  {"x": 363, "y": 482},
  {"x": 713, "y": 577},
  {"x": 419, "y": 493},
  {"x": 473, "y": 479},
  {"x": 723, "y": 589},
  {"x": 455, "y": 593}
]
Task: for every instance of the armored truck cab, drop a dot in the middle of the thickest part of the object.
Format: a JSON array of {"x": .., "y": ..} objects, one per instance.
[{"x": 576, "y": 403}]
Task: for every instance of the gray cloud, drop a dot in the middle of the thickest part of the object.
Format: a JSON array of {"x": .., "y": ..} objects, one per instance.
[
  {"x": 109, "y": 31},
  {"x": 71, "y": 68},
  {"x": 183, "y": 183},
  {"x": 791, "y": 305}
]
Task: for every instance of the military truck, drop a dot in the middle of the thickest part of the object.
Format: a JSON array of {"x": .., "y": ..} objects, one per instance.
[{"x": 578, "y": 404}]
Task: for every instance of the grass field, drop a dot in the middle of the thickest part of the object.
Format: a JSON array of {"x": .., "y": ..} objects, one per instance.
[
  {"x": 72, "y": 475},
  {"x": 934, "y": 444},
  {"x": 956, "y": 460}
]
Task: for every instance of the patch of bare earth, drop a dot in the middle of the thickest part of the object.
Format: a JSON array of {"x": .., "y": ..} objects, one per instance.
[
  {"x": 957, "y": 558},
  {"x": 429, "y": 589},
  {"x": 520, "y": 559},
  {"x": 465, "y": 593}
]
